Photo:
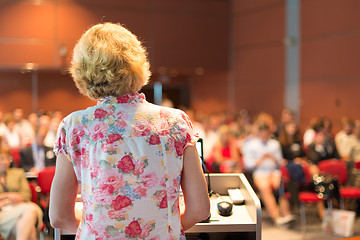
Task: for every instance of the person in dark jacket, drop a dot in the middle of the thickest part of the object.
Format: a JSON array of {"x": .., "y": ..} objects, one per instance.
[{"x": 36, "y": 157}]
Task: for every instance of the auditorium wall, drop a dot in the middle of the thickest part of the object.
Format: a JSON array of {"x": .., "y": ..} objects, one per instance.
[
  {"x": 230, "y": 53},
  {"x": 184, "y": 38}
]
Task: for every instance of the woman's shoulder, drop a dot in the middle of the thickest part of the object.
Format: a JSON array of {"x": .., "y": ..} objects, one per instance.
[{"x": 77, "y": 116}]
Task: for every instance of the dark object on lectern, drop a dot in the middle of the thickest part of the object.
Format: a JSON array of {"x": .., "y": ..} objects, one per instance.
[{"x": 225, "y": 208}]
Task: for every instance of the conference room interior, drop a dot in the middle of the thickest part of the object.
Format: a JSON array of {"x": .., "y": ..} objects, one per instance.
[{"x": 228, "y": 64}]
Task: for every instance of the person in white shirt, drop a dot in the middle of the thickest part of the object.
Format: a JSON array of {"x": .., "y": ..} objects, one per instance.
[
  {"x": 263, "y": 157},
  {"x": 343, "y": 138}
]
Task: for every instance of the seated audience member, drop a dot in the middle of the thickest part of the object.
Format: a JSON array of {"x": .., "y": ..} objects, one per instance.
[
  {"x": 353, "y": 161},
  {"x": 12, "y": 134},
  {"x": 37, "y": 156},
  {"x": 53, "y": 126},
  {"x": 3, "y": 127},
  {"x": 33, "y": 119},
  {"x": 342, "y": 138},
  {"x": 262, "y": 155},
  {"x": 293, "y": 154},
  {"x": 261, "y": 119},
  {"x": 18, "y": 216},
  {"x": 225, "y": 152},
  {"x": 309, "y": 134},
  {"x": 287, "y": 115},
  {"x": 322, "y": 148},
  {"x": 26, "y": 130}
]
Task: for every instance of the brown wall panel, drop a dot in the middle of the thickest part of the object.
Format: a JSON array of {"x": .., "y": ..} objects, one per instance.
[
  {"x": 330, "y": 75},
  {"x": 18, "y": 54},
  {"x": 265, "y": 97},
  {"x": 265, "y": 25},
  {"x": 180, "y": 35},
  {"x": 326, "y": 17},
  {"x": 25, "y": 20},
  {"x": 15, "y": 91},
  {"x": 209, "y": 92},
  {"x": 259, "y": 63},
  {"x": 333, "y": 99},
  {"x": 250, "y": 5},
  {"x": 331, "y": 58}
]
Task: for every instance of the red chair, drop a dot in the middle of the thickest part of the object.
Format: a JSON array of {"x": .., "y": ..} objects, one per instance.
[
  {"x": 15, "y": 154},
  {"x": 306, "y": 197},
  {"x": 338, "y": 169},
  {"x": 44, "y": 181},
  {"x": 45, "y": 178},
  {"x": 34, "y": 193}
]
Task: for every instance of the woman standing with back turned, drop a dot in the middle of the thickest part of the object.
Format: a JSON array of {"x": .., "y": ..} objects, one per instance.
[{"x": 128, "y": 156}]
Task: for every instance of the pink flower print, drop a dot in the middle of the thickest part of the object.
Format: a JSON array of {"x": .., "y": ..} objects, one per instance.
[
  {"x": 98, "y": 131},
  {"x": 62, "y": 139},
  {"x": 112, "y": 178},
  {"x": 107, "y": 188},
  {"x": 106, "y": 147},
  {"x": 145, "y": 231},
  {"x": 110, "y": 110},
  {"x": 75, "y": 140},
  {"x": 113, "y": 137},
  {"x": 163, "y": 202},
  {"x": 89, "y": 218},
  {"x": 101, "y": 197},
  {"x": 78, "y": 131},
  {"x": 139, "y": 168},
  {"x": 188, "y": 138},
  {"x": 100, "y": 113},
  {"x": 123, "y": 99},
  {"x": 141, "y": 129},
  {"x": 120, "y": 202},
  {"x": 176, "y": 183},
  {"x": 149, "y": 180},
  {"x": 94, "y": 171},
  {"x": 164, "y": 114},
  {"x": 85, "y": 158},
  {"x": 172, "y": 193},
  {"x": 187, "y": 120},
  {"x": 133, "y": 229},
  {"x": 164, "y": 128},
  {"x": 179, "y": 147},
  {"x": 154, "y": 140},
  {"x": 121, "y": 124},
  {"x": 140, "y": 191},
  {"x": 126, "y": 164},
  {"x": 116, "y": 214},
  {"x": 163, "y": 182}
]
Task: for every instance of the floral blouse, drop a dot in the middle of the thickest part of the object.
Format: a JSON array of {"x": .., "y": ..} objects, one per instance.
[{"x": 128, "y": 157}]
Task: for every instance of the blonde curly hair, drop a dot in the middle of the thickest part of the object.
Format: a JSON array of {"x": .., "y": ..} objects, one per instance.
[{"x": 109, "y": 60}]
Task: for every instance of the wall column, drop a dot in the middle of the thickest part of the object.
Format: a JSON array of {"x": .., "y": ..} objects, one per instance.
[{"x": 292, "y": 60}]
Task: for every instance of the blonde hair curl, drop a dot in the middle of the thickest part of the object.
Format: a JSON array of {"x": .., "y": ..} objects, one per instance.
[{"x": 109, "y": 60}]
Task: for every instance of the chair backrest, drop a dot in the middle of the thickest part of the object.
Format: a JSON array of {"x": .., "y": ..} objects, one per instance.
[
  {"x": 45, "y": 178},
  {"x": 334, "y": 167},
  {"x": 307, "y": 174},
  {"x": 357, "y": 165},
  {"x": 15, "y": 154}
]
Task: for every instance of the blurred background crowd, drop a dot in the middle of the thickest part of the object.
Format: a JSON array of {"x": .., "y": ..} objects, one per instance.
[{"x": 255, "y": 145}]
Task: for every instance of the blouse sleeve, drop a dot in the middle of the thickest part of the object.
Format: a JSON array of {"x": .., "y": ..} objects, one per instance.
[
  {"x": 61, "y": 145},
  {"x": 190, "y": 137}
]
